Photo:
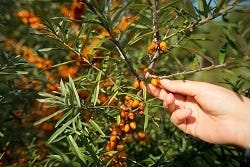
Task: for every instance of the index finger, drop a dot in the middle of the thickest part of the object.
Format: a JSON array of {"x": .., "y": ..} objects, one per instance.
[{"x": 184, "y": 87}]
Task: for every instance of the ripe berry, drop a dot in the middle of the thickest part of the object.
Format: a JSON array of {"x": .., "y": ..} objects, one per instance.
[
  {"x": 152, "y": 47},
  {"x": 142, "y": 85},
  {"x": 127, "y": 98},
  {"x": 113, "y": 138},
  {"x": 155, "y": 81},
  {"x": 135, "y": 104},
  {"x": 119, "y": 147},
  {"x": 163, "y": 46},
  {"x": 127, "y": 128},
  {"x": 132, "y": 125},
  {"x": 131, "y": 115},
  {"x": 136, "y": 84}
]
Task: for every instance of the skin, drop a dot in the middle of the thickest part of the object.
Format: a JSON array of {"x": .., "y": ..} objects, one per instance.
[{"x": 209, "y": 112}]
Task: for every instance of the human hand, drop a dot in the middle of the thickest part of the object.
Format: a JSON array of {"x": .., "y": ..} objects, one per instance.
[{"x": 212, "y": 113}]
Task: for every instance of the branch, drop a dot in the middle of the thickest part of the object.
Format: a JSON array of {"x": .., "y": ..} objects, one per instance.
[
  {"x": 189, "y": 72},
  {"x": 77, "y": 53},
  {"x": 203, "y": 21},
  {"x": 104, "y": 23},
  {"x": 156, "y": 36}
]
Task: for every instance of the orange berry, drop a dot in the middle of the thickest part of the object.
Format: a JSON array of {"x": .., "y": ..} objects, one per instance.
[
  {"x": 141, "y": 135},
  {"x": 122, "y": 124},
  {"x": 152, "y": 47},
  {"x": 113, "y": 138},
  {"x": 136, "y": 84},
  {"x": 131, "y": 115},
  {"x": 142, "y": 85},
  {"x": 124, "y": 114},
  {"x": 163, "y": 46},
  {"x": 127, "y": 128},
  {"x": 122, "y": 156},
  {"x": 130, "y": 103},
  {"x": 132, "y": 125},
  {"x": 155, "y": 81},
  {"x": 127, "y": 97},
  {"x": 145, "y": 70},
  {"x": 120, "y": 147},
  {"x": 135, "y": 104},
  {"x": 114, "y": 132},
  {"x": 108, "y": 147},
  {"x": 122, "y": 107},
  {"x": 140, "y": 113},
  {"x": 141, "y": 106}
]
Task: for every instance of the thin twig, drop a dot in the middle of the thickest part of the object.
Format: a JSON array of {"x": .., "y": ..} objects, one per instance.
[
  {"x": 74, "y": 51},
  {"x": 156, "y": 30},
  {"x": 189, "y": 72},
  {"x": 171, "y": 25},
  {"x": 156, "y": 36},
  {"x": 203, "y": 21},
  {"x": 122, "y": 53}
]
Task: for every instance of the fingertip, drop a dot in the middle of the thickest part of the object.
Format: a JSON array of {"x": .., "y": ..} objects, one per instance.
[
  {"x": 150, "y": 88},
  {"x": 155, "y": 91}
]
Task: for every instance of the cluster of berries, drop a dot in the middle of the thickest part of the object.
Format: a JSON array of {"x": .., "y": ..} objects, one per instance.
[{"x": 129, "y": 110}]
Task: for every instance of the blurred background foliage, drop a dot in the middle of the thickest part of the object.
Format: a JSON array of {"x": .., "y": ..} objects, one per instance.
[{"x": 72, "y": 76}]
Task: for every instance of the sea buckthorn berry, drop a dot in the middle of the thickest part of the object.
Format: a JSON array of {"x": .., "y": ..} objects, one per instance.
[
  {"x": 131, "y": 115},
  {"x": 122, "y": 124},
  {"x": 142, "y": 85},
  {"x": 135, "y": 104},
  {"x": 127, "y": 128},
  {"x": 136, "y": 84},
  {"x": 122, "y": 107},
  {"x": 114, "y": 132},
  {"x": 127, "y": 98},
  {"x": 141, "y": 106},
  {"x": 108, "y": 147},
  {"x": 130, "y": 103},
  {"x": 113, "y": 138},
  {"x": 119, "y": 147},
  {"x": 132, "y": 125},
  {"x": 163, "y": 46},
  {"x": 152, "y": 47},
  {"x": 124, "y": 114},
  {"x": 141, "y": 135},
  {"x": 140, "y": 113},
  {"x": 155, "y": 81},
  {"x": 145, "y": 70},
  {"x": 112, "y": 144}
]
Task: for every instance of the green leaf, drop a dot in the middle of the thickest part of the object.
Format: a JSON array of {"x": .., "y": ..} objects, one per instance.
[
  {"x": 48, "y": 117},
  {"x": 60, "y": 156},
  {"x": 195, "y": 64},
  {"x": 96, "y": 127},
  {"x": 95, "y": 95},
  {"x": 59, "y": 131},
  {"x": 47, "y": 49},
  {"x": 191, "y": 9},
  {"x": 66, "y": 115},
  {"x": 146, "y": 117},
  {"x": 72, "y": 85},
  {"x": 77, "y": 150},
  {"x": 105, "y": 64},
  {"x": 222, "y": 54}
]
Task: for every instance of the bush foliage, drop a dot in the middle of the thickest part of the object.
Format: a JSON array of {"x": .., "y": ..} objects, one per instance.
[{"x": 73, "y": 77}]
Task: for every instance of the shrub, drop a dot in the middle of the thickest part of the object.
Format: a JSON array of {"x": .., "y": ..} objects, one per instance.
[{"x": 73, "y": 78}]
